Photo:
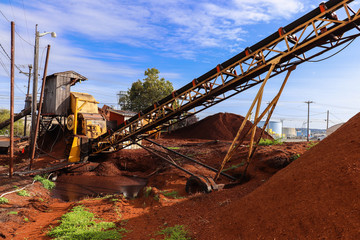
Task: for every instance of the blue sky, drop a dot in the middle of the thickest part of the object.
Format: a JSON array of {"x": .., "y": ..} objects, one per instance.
[{"x": 113, "y": 42}]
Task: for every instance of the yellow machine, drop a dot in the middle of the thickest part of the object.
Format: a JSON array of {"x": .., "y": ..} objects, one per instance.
[{"x": 85, "y": 122}]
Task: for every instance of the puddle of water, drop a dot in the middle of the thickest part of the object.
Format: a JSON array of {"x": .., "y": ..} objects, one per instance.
[{"x": 74, "y": 188}]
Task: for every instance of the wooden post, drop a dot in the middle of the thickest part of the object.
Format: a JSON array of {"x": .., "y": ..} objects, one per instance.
[
  {"x": 11, "y": 164},
  {"x": 40, "y": 106}
]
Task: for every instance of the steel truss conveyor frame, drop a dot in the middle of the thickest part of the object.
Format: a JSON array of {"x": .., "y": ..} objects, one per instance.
[{"x": 315, "y": 33}]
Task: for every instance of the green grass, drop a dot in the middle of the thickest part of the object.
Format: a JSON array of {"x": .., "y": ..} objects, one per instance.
[
  {"x": 147, "y": 191},
  {"x": 12, "y": 213},
  {"x": 80, "y": 224},
  {"x": 268, "y": 142},
  {"x": 178, "y": 232},
  {"x": 45, "y": 182},
  {"x": 23, "y": 193},
  {"x": 174, "y": 148},
  {"x": 157, "y": 197},
  {"x": 3, "y": 200},
  {"x": 294, "y": 157},
  {"x": 311, "y": 144},
  {"x": 173, "y": 194},
  {"x": 234, "y": 167}
]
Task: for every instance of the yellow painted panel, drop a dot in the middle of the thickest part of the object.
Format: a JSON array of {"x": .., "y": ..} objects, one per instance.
[
  {"x": 74, "y": 155},
  {"x": 86, "y": 103}
]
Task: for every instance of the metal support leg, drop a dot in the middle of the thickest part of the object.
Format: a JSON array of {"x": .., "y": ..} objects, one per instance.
[{"x": 237, "y": 140}]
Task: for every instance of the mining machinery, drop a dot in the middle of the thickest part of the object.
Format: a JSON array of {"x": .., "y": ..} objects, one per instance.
[
  {"x": 310, "y": 36},
  {"x": 331, "y": 25}
]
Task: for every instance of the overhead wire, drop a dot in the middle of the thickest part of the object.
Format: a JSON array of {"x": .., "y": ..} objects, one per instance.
[
  {"x": 5, "y": 68},
  {"x": 26, "y": 22},
  {"x": 9, "y": 56},
  {"x": 16, "y": 31}
]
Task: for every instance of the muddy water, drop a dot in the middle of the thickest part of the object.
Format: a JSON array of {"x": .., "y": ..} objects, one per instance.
[{"x": 73, "y": 188}]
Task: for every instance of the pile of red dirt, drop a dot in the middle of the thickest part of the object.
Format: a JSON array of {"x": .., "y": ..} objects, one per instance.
[
  {"x": 315, "y": 197},
  {"x": 221, "y": 126}
]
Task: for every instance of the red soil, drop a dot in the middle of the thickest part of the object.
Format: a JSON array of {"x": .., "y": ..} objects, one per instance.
[
  {"x": 221, "y": 126},
  {"x": 314, "y": 197}
]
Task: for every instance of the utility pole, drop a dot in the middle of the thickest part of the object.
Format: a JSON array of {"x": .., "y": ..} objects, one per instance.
[
  {"x": 35, "y": 86},
  {"x": 27, "y": 98},
  {"x": 308, "y": 120},
  {"x": 35, "y": 83},
  {"x": 327, "y": 120},
  {"x": 11, "y": 165},
  {"x": 40, "y": 106}
]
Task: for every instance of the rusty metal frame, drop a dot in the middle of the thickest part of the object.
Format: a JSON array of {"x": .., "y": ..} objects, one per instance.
[
  {"x": 241, "y": 135},
  {"x": 241, "y": 75}
]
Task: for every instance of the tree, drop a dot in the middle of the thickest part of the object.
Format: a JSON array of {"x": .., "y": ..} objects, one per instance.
[
  {"x": 143, "y": 94},
  {"x": 18, "y": 125}
]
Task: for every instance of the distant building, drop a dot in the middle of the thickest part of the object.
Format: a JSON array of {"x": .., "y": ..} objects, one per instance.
[
  {"x": 289, "y": 132},
  {"x": 274, "y": 128},
  {"x": 302, "y": 132}
]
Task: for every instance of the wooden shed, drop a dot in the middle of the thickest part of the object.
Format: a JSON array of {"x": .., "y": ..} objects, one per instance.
[{"x": 57, "y": 92}]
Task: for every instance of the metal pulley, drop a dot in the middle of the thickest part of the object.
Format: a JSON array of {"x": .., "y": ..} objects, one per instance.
[{"x": 201, "y": 184}]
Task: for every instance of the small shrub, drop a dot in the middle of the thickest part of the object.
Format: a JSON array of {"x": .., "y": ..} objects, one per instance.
[
  {"x": 157, "y": 197},
  {"x": 45, "y": 182},
  {"x": 3, "y": 200},
  {"x": 234, "y": 167},
  {"x": 12, "y": 213},
  {"x": 173, "y": 194},
  {"x": 26, "y": 219},
  {"x": 294, "y": 157},
  {"x": 311, "y": 144},
  {"x": 174, "y": 148},
  {"x": 82, "y": 224},
  {"x": 268, "y": 142},
  {"x": 23, "y": 193},
  {"x": 147, "y": 191},
  {"x": 178, "y": 232}
]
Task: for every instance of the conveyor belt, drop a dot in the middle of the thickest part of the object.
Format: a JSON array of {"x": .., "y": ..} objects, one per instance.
[{"x": 317, "y": 32}]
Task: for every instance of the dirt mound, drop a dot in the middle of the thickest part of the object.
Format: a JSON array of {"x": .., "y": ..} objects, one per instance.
[
  {"x": 221, "y": 126},
  {"x": 107, "y": 169},
  {"x": 315, "y": 197}
]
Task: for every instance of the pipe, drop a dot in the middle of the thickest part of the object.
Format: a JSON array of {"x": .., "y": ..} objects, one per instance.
[
  {"x": 193, "y": 160},
  {"x": 40, "y": 106},
  {"x": 165, "y": 159}
]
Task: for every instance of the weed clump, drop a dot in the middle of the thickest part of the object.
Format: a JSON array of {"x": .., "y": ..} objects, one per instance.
[
  {"x": 23, "y": 193},
  {"x": 268, "y": 142},
  {"x": 81, "y": 224},
  {"x": 45, "y": 182},
  {"x": 178, "y": 232},
  {"x": 173, "y": 194},
  {"x": 3, "y": 200}
]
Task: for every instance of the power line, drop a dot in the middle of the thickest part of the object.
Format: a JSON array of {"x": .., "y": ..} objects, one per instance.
[
  {"x": 9, "y": 57},
  {"x": 4, "y": 66},
  {"x": 16, "y": 31},
  {"x": 26, "y": 23},
  {"x": 4, "y": 16}
]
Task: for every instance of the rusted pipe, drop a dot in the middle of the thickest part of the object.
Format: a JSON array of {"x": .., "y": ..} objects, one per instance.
[
  {"x": 165, "y": 159},
  {"x": 40, "y": 107},
  {"x": 11, "y": 164},
  {"x": 192, "y": 160}
]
